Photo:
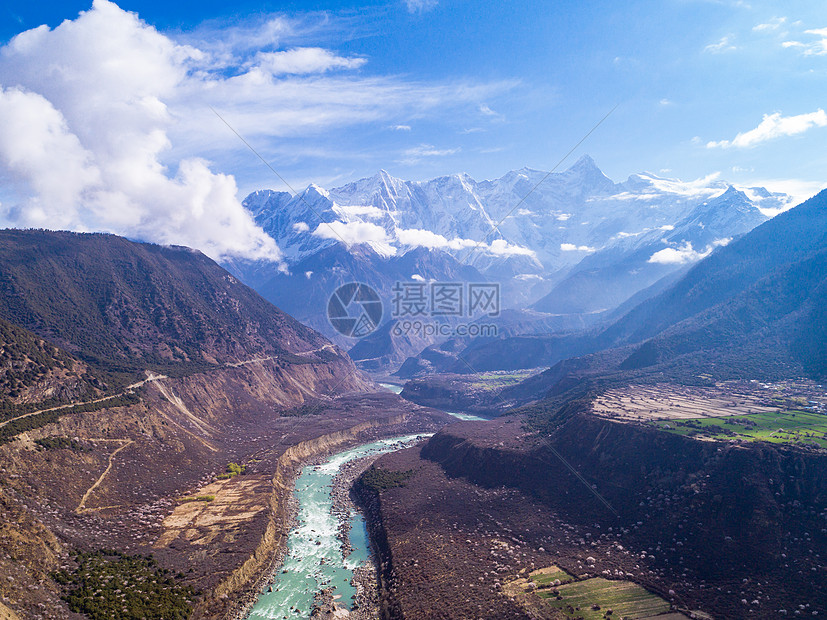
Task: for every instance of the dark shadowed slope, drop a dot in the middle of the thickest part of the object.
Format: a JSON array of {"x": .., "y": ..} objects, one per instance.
[
  {"x": 787, "y": 239},
  {"x": 761, "y": 298},
  {"x": 32, "y": 371},
  {"x": 122, "y": 305}
]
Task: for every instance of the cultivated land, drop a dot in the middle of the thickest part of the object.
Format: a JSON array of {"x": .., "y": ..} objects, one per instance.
[
  {"x": 668, "y": 401},
  {"x": 495, "y": 380},
  {"x": 591, "y": 599},
  {"x": 791, "y": 413},
  {"x": 552, "y": 592},
  {"x": 798, "y": 428},
  {"x": 548, "y": 575}
]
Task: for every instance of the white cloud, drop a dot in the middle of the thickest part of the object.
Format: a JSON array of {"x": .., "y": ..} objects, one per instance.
[
  {"x": 420, "y": 6},
  {"x": 774, "y": 24},
  {"x": 356, "y": 211},
  {"x": 401, "y": 127},
  {"x": 225, "y": 41},
  {"x": 353, "y": 233},
  {"x": 84, "y": 129},
  {"x": 106, "y": 121},
  {"x": 723, "y": 45},
  {"x": 704, "y": 186},
  {"x": 627, "y": 235},
  {"x": 301, "y": 227},
  {"x": 685, "y": 253},
  {"x": 813, "y": 48},
  {"x": 304, "y": 60},
  {"x": 486, "y": 111},
  {"x": 417, "y": 237},
  {"x": 417, "y": 153},
  {"x": 773, "y": 126},
  {"x": 428, "y": 150},
  {"x": 798, "y": 190},
  {"x": 500, "y": 247},
  {"x": 35, "y": 135},
  {"x": 570, "y": 247}
]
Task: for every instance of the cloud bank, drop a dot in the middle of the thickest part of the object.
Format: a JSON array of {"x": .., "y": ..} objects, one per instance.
[
  {"x": 106, "y": 123},
  {"x": 685, "y": 253},
  {"x": 84, "y": 129},
  {"x": 774, "y": 126},
  {"x": 420, "y": 6},
  {"x": 417, "y": 237},
  {"x": 811, "y": 48},
  {"x": 570, "y": 247}
]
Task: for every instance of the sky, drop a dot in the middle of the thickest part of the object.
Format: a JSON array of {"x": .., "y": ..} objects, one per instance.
[{"x": 133, "y": 117}]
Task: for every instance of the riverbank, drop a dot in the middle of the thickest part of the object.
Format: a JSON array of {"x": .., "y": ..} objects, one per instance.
[
  {"x": 306, "y": 543},
  {"x": 366, "y": 604}
]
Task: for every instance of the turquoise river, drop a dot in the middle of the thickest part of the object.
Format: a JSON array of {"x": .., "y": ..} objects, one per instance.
[{"x": 314, "y": 559}]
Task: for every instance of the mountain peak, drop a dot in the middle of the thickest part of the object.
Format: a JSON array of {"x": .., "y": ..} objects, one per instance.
[
  {"x": 383, "y": 176},
  {"x": 586, "y": 171},
  {"x": 585, "y": 162},
  {"x": 316, "y": 189},
  {"x": 585, "y": 166}
]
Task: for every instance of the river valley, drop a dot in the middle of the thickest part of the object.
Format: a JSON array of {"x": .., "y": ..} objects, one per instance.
[{"x": 316, "y": 558}]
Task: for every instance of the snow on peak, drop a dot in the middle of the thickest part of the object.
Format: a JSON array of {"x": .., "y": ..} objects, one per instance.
[{"x": 525, "y": 213}]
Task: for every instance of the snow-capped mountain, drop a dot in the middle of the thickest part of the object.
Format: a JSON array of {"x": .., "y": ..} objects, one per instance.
[
  {"x": 528, "y": 220},
  {"x": 631, "y": 262},
  {"x": 574, "y": 242}
]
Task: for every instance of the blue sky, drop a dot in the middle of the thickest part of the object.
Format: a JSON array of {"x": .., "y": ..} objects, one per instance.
[{"x": 332, "y": 91}]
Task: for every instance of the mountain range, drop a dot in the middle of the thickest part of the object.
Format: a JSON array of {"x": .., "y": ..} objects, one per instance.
[
  {"x": 567, "y": 243},
  {"x": 754, "y": 309}
]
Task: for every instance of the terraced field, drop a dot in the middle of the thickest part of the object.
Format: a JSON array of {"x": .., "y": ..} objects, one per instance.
[
  {"x": 789, "y": 427},
  {"x": 671, "y": 401},
  {"x": 498, "y": 380},
  {"x": 592, "y": 598},
  {"x": 548, "y": 575},
  {"x": 551, "y": 592}
]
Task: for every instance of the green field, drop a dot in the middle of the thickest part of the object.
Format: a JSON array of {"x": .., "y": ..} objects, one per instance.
[
  {"x": 545, "y": 576},
  {"x": 624, "y": 598},
  {"x": 788, "y": 427},
  {"x": 492, "y": 380}
]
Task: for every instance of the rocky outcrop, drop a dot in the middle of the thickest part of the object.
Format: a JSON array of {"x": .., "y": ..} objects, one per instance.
[
  {"x": 740, "y": 504},
  {"x": 702, "y": 524}
]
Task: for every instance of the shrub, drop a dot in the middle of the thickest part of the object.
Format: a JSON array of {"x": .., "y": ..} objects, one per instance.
[{"x": 109, "y": 584}]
